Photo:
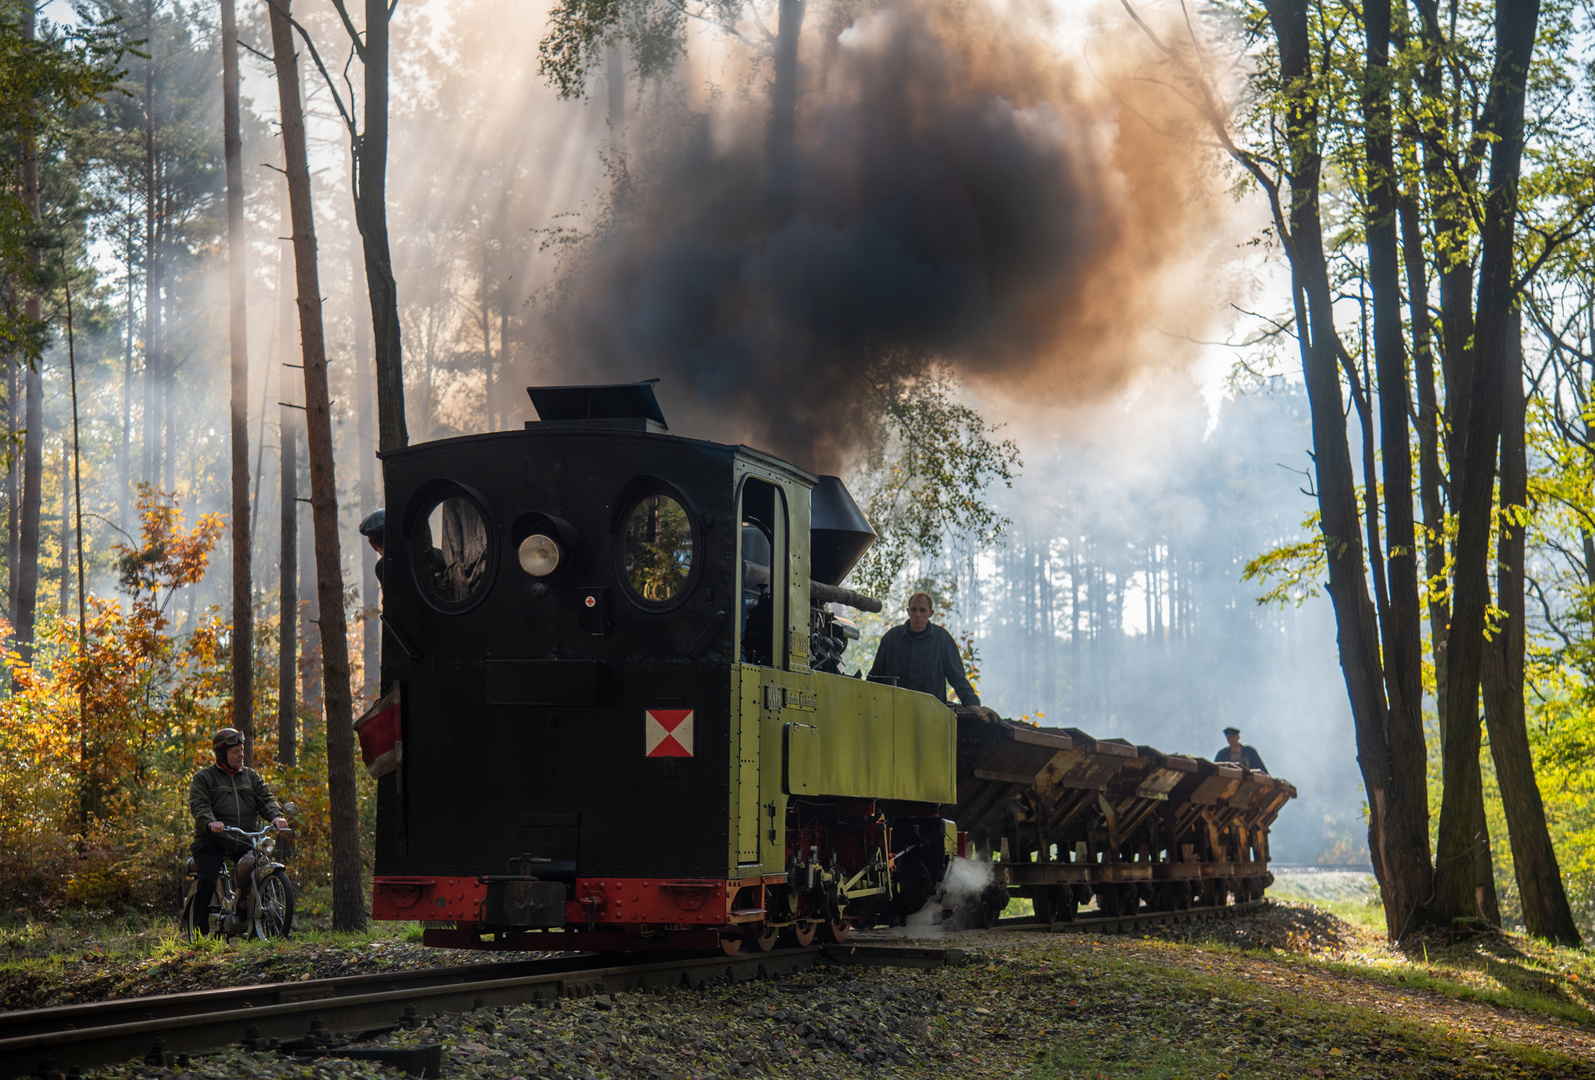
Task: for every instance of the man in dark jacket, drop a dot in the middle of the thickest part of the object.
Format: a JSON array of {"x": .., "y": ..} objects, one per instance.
[
  {"x": 923, "y": 656},
  {"x": 1239, "y": 754},
  {"x": 225, "y": 793}
]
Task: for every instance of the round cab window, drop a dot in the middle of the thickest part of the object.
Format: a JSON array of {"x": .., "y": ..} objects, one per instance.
[
  {"x": 451, "y": 553},
  {"x": 656, "y": 548}
]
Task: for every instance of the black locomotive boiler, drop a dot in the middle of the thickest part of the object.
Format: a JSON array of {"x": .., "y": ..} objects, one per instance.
[{"x": 615, "y": 716}]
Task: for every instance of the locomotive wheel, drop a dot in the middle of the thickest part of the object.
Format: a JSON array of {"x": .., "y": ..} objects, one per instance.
[
  {"x": 834, "y": 931},
  {"x": 801, "y": 933},
  {"x": 765, "y": 940},
  {"x": 729, "y": 944}
]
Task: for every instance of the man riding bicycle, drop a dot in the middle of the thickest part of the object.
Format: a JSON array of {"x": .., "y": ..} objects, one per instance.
[{"x": 225, "y": 793}]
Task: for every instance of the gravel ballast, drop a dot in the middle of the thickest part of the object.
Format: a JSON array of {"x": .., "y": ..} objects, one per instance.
[{"x": 1031, "y": 1004}]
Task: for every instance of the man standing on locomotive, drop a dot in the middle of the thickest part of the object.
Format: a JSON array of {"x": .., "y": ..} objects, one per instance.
[
  {"x": 923, "y": 656},
  {"x": 222, "y": 794}
]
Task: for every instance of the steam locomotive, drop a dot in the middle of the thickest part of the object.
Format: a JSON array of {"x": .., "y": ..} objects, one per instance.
[{"x": 616, "y": 716}]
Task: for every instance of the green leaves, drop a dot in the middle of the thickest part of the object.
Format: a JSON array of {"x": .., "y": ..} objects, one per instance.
[{"x": 924, "y": 479}]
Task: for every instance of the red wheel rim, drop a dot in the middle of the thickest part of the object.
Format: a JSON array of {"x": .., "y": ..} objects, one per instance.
[
  {"x": 803, "y": 933},
  {"x": 765, "y": 941},
  {"x": 729, "y": 945},
  {"x": 836, "y": 931}
]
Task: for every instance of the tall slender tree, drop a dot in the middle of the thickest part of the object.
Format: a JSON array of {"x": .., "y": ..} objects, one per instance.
[
  {"x": 243, "y": 636},
  {"x": 348, "y": 907},
  {"x": 33, "y": 394}
]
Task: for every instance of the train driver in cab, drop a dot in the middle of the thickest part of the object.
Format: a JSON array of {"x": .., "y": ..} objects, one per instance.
[
  {"x": 1240, "y": 754},
  {"x": 923, "y": 656}
]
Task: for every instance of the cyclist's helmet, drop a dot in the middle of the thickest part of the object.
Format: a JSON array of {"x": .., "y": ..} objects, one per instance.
[{"x": 226, "y": 737}]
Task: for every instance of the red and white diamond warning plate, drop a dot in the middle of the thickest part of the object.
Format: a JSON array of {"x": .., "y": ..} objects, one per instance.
[{"x": 668, "y": 732}]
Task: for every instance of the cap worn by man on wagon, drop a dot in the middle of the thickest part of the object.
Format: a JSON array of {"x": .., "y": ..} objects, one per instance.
[
  {"x": 923, "y": 656},
  {"x": 1241, "y": 755}
]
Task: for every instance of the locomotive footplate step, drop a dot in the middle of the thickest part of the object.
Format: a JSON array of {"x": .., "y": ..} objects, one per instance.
[{"x": 895, "y": 956}]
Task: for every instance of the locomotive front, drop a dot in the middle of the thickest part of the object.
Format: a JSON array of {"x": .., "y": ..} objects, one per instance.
[{"x": 614, "y": 698}]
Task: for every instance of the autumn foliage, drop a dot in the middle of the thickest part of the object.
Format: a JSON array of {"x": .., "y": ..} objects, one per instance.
[{"x": 101, "y": 733}]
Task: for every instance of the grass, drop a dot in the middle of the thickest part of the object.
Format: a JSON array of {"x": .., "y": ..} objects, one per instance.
[
  {"x": 1132, "y": 1015},
  {"x": 73, "y": 936}
]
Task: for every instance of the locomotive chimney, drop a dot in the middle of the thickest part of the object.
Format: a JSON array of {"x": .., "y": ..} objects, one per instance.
[{"x": 839, "y": 533}]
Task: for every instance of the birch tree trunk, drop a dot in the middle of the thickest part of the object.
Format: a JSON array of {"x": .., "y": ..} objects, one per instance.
[{"x": 348, "y": 905}]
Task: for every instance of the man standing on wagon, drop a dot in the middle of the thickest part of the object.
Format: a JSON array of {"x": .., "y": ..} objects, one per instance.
[
  {"x": 923, "y": 656},
  {"x": 1240, "y": 754}
]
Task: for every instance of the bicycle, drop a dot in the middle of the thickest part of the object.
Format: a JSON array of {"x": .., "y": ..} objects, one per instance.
[{"x": 253, "y": 880}]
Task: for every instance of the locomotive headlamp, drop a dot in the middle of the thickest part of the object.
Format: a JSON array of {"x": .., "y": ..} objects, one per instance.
[{"x": 539, "y": 555}]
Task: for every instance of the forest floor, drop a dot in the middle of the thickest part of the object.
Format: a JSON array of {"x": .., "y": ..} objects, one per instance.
[{"x": 1294, "y": 991}]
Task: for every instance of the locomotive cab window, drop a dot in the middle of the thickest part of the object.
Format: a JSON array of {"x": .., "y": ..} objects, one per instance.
[
  {"x": 657, "y": 544},
  {"x": 763, "y": 580},
  {"x": 452, "y": 554}
]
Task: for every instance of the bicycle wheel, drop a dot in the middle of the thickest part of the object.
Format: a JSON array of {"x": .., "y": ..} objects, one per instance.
[
  {"x": 274, "y": 907},
  {"x": 185, "y": 921}
]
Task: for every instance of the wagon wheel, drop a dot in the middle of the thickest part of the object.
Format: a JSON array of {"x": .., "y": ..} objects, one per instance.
[
  {"x": 1057, "y": 904},
  {"x": 801, "y": 933},
  {"x": 834, "y": 931},
  {"x": 730, "y": 943},
  {"x": 764, "y": 940}
]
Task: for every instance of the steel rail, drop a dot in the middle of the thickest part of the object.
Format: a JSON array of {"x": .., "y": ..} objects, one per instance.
[
  {"x": 318, "y": 1021},
  {"x": 41, "y": 1021}
]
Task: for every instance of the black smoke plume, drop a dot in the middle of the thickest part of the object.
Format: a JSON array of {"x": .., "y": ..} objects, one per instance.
[{"x": 961, "y": 197}]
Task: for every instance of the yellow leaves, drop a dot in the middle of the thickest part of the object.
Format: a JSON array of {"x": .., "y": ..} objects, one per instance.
[{"x": 104, "y": 731}]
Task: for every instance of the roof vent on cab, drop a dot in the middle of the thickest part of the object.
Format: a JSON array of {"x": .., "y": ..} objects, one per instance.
[{"x": 613, "y": 406}]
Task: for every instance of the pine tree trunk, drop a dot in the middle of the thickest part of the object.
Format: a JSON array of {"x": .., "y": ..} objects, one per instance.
[
  {"x": 783, "y": 118},
  {"x": 288, "y": 551},
  {"x": 371, "y": 215},
  {"x": 124, "y": 465},
  {"x": 370, "y": 588},
  {"x": 348, "y": 906},
  {"x": 13, "y": 497},
  {"x": 33, "y": 420},
  {"x": 288, "y": 594},
  {"x": 243, "y": 638},
  {"x": 150, "y": 437},
  {"x": 66, "y": 526},
  {"x": 311, "y": 704}
]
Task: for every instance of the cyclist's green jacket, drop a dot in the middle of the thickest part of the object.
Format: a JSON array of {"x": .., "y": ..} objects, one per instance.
[{"x": 234, "y": 800}]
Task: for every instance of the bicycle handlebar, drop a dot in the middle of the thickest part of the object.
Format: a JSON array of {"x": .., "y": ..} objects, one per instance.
[{"x": 253, "y": 836}]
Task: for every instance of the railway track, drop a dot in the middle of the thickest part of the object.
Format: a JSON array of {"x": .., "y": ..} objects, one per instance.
[
  {"x": 1122, "y": 924},
  {"x": 324, "y": 1017}
]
